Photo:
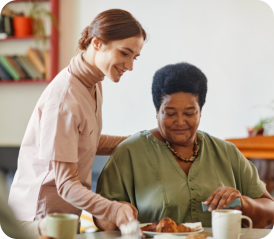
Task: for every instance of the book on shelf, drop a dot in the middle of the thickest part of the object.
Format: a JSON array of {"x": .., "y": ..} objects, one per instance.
[
  {"x": 6, "y": 25},
  {"x": 25, "y": 66},
  {"x": 4, "y": 74},
  {"x": 2, "y": 25},
  {"x": 36, "y": 60},
  {"x": 40, "y": 54},
  {"x": 35, "y": 65},
  {"x": 3, "y": 34},
  {"x": 35, "y": 74},
  {"x": 18, "y": 62},
  {"x": 9, "y": 68},
  {"x": 17, "y": 67}
]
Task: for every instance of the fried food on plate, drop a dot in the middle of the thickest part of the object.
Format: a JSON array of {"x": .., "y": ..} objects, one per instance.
[
  {"x": 168, "y": 225},
  {"x": 151, "y": 227}
]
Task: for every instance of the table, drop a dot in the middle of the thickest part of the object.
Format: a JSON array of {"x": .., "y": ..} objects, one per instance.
[
  {"x": 255, "y": 147},
  {"x": 253, "y": 234}
]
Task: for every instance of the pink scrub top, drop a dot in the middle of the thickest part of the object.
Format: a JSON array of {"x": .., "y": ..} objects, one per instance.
[{"x": 65, "y": 126}]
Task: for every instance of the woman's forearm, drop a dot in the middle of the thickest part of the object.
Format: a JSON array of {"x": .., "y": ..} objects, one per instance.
[
  {"x": 108, "y": 143},
  {"x": 261, "y": 211},
  {"x": 71, "y": 190}
]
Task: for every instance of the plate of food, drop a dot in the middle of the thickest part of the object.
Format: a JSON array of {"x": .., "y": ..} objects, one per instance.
[
  {"x": 189, "y": 236},
  {"x": 167, "y": 225}
]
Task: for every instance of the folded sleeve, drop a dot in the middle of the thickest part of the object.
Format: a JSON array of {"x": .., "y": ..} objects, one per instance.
[
  {"x": 71, "y": 190},
  {"x": 59, "y": 133},
  {"x": 108, "y": 143},
  {"x": 247, "y": 177}
]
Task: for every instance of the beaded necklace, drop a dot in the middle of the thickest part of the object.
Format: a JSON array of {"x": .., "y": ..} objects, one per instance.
[{"x": 192, "y": 158}]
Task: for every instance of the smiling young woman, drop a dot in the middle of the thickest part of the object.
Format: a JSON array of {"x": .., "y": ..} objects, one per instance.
[
  {"x": 119, "y": 58},
  {"x": 64, "y": 132},
  {"x": 116, "y": 41}
]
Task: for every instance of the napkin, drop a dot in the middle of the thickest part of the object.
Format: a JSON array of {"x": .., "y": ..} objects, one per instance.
[{"x": 235, "y": 203}]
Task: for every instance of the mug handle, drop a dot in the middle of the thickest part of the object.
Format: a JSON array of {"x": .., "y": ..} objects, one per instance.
[{"x": 250, "y": 225}]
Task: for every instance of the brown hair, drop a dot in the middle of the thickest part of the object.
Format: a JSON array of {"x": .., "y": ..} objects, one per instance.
[{"x": 110, "y": 25}]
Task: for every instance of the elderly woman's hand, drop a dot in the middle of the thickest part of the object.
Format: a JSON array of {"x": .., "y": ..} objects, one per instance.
[{"x": 222, "y": 197}]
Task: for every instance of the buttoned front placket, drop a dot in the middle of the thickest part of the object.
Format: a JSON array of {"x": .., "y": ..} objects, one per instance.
[
  {"x": 193, "y": 198},
  {"x": 193, "y": 187}
]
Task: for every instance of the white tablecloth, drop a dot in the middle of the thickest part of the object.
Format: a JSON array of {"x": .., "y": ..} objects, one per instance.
[{"x": 252, "y": 234}]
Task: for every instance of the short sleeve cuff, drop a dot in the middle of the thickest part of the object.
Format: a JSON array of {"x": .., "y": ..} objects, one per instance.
[
  {"x": 258, "y": 191},
  {"x": 66, "y": 159}
]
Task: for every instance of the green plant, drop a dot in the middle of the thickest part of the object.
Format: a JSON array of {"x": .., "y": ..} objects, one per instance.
[
  {"x": 38, "y": 14},
  {"x": 265, "y": 123}
]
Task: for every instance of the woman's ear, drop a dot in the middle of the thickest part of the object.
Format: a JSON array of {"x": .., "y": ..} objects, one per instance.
[
  {"x": 96, "y": 43},
  {"x": 157, "y": 113}
]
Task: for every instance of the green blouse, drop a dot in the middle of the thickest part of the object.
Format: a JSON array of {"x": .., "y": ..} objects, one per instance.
[{"x": 143, "y": 171}]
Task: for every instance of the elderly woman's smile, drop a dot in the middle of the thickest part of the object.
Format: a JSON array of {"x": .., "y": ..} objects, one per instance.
[{"x": 179, "y": 118}]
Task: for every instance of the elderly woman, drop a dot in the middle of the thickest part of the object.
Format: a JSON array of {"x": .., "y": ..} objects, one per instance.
[{"x": 170, "y": 170}]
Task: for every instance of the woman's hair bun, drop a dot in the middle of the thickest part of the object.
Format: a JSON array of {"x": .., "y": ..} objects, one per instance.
[{"x": 110, "y": 25}]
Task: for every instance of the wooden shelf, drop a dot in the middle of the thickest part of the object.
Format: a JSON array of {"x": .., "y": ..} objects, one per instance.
[
  {"x": 53, "y": 45},
  {"x": 32, "y": 81},
  {"x": 255, "y": 147}
]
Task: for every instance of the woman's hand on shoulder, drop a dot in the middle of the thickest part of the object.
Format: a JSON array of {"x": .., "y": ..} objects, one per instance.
[
  {"x": 126, "y": 213},
  {"x": 222, "y": 197}
]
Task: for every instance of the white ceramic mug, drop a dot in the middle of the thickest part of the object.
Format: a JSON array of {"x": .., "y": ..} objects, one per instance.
[
  {"x": 62, "y": 225},
  {"x": 226, "y": 224}
]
